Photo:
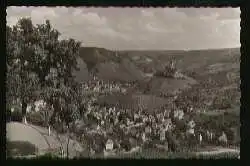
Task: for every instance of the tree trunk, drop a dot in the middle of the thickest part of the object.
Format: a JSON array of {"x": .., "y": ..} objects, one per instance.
[
  {"x": 24, "y": 109},
  {"x": 49, "y": 130},
  {"x": 68, "y": 141},
  {"x": 54, "y": 115}
]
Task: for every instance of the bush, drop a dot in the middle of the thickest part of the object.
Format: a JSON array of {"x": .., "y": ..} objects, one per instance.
[
  {"x": 35, "y": 118},
  {"x": 173, "y": 144},
  {"x": 180, "y": 125},
  {"x": 8, "y": 115},
  {"x": 20, "y": 148},
  {"x": 126, "y": 144},
  {"x": 48, "y": 156},
  {"x": 16, "y": 116}
]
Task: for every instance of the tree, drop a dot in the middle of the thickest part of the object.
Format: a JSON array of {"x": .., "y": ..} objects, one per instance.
[
  {"x": 172, "y": 142},
  {"x": 58, "y": 63},
  {"x": 21, "y": 82},
  {"x": 37, "y": 50}
]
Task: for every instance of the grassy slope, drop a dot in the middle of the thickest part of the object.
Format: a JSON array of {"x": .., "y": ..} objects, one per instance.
[{"x": 109, "y": 65}]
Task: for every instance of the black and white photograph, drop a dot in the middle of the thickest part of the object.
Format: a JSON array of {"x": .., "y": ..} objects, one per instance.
[{"x": 121, "y": 82}]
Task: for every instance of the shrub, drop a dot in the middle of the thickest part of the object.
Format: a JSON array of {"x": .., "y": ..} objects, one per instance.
[
  {"x": 173, "y": 144},
  {"x": 48, "y": 156},
  {"x": 126, "y": 144},
  {"x": 8, "y": 115},
  {"x": 16, "y": 116},
  {"x": 180, "y": 125},
  {"x": 20, "y": 148},
  {"x": 35, "y": 118}
]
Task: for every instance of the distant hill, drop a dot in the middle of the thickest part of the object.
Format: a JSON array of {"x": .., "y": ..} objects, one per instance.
[
  {"x": 93, "y": 56},
  {"x": 107, "y": 65},
  {"x": 206, "y": 72},
  {"x": 185, "y": 60},
  {"x": 134, "y": 64}
]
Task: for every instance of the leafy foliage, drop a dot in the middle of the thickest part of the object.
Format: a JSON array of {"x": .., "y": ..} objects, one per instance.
[
  {"x": 39, "y": 65},
  {"x": 22, "y": 83},
  {"x": 227, "y": 122}
]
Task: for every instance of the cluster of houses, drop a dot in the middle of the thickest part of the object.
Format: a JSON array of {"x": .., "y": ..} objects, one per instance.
[
  {"x": 116, "y": 125},
  {"x": 100, "y": 86}
]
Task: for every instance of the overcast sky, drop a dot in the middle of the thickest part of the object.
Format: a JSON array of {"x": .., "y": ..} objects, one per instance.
[{"x": 140, "y": 28}]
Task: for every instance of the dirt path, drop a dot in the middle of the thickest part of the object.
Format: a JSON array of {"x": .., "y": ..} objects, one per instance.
[{"x": 39, "y": 137}]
